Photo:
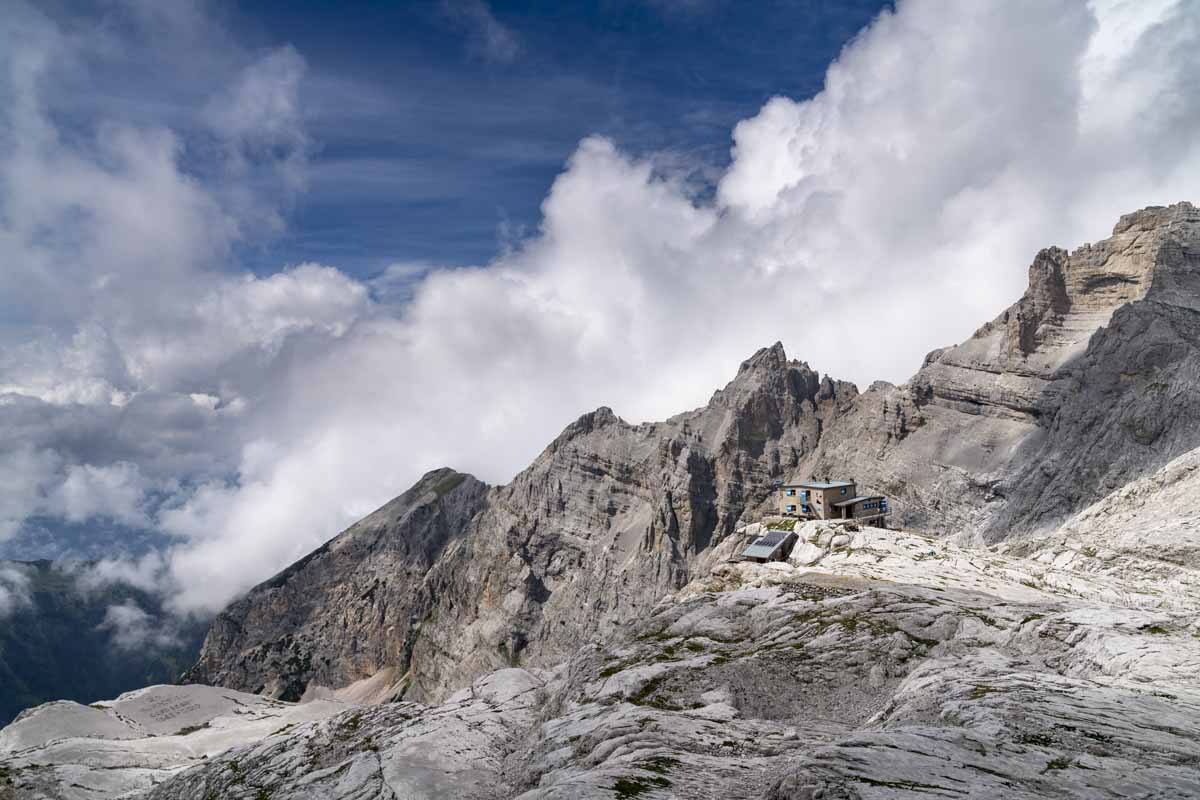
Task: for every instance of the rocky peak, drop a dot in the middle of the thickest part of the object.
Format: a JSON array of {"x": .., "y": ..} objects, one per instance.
[
  {"x": 769, "y": 374},
  {"x": 1086, "y": 382},
  {"x": 1153, "y": 254},
  {"x": 1152, "y": 217},
  {"x": 1070, "y": 296},
  {"x": 369, "y": 575},
  {"x": 602, "y": 417},
  {"x": 1176, "y": 279},
  {"x": 453, "y": 578},
  {"x": 769, "y": 359},
  {"x": 1045, "y": 301}
]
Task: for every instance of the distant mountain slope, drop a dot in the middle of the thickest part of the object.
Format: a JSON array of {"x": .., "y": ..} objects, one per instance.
[{"x": 57, "y": 647}]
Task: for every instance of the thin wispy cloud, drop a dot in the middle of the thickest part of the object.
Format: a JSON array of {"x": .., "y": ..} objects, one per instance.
[
  {"x": 683, "y": 8},
  {"x": 487, "y": 37}
]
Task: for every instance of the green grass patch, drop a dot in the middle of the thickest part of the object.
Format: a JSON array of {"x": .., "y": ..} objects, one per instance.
[
  {"x": 659, "y": 766},
  {"x": 1062, "y": 762},
  {"x": 645, "y": 696},
  {"x": 1037, "y": 740},
  {"x": 619, "y": 666},
  {"x": 636, "y": 787}
]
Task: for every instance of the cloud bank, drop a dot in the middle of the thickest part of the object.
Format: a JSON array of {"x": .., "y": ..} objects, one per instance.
[
  {"x": 14, "y": 589},
  {"x": 145, "y": 379},
  {"x": 132, "y": 629}
]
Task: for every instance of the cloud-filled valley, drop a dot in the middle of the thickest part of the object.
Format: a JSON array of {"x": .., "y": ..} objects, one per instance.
[{"x": 150, "y": 380}]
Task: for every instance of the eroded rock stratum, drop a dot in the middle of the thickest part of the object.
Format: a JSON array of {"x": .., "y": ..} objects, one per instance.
[{"x": 897, "y": 666}]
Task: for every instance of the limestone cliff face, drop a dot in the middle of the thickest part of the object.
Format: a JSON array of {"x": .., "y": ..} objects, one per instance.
[
  {"x": 348, "y": 610},
  {"x": 1085, "y": 383},
  {"x": 453, "y": 579}
]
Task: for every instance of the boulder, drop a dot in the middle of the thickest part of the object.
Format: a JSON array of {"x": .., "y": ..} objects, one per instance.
[{"x": 805, "y": 554}]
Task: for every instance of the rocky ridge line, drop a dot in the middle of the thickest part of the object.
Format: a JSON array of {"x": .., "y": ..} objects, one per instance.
[
  {"x": 1087, "y": 382},
  {"x": 454, "y": 579}
]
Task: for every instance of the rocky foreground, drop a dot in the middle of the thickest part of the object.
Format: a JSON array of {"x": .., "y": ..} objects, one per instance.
[{"x": 878, "y": 664}]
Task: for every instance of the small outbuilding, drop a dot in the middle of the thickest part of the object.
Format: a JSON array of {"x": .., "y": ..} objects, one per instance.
[{"x": 774, "y": 546}]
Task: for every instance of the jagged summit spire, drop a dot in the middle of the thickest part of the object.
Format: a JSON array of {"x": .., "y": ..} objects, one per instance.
[{"x": 774, "y": 357}]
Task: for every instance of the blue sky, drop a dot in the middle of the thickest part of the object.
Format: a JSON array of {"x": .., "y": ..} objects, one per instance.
[{"x": 442, "y": 153}]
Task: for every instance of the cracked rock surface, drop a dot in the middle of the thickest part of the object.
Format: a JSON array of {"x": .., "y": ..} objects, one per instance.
[
  {"x": 867, "y": 675},
  {"x": 68, "y": 751}
]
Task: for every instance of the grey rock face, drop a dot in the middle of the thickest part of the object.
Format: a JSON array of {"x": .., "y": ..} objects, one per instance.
[
  {"x": 1087, "y": 382},
  {"x": 68, "y": 751},
  {"x": 349, "y": 609},
  {"x": 1146, "y": 532},
  {"x": 780, "y": 682},
  {"x": 902, "y": 666},
  {"x": 455, "y": 751},
  {"x": 452, "y": 580}
]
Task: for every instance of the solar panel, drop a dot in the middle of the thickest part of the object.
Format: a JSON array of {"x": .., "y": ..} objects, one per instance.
[{"x": 773, "y": 538}]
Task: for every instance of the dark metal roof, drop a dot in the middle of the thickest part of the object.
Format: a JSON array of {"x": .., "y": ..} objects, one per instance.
[
  {"x": 818, "y": 485},
  {"x": 858, "y": 499}
]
